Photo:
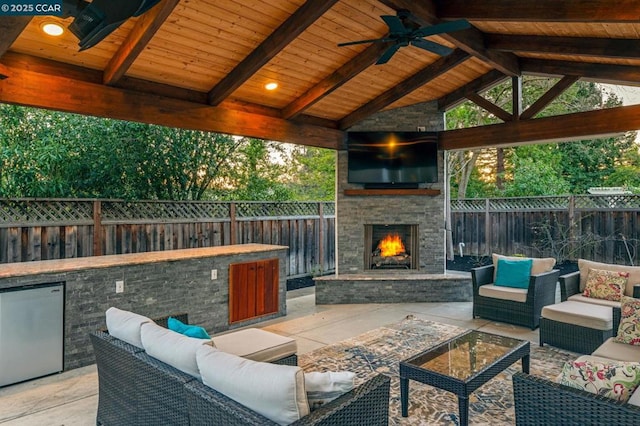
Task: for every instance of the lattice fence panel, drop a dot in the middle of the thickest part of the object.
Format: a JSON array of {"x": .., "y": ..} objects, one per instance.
[
  {"x": 169, "y": 211},
  {"x": 617, "y": 202},
  {"x": 275, "y": 209},
  {"x": 34, "y": 212}
]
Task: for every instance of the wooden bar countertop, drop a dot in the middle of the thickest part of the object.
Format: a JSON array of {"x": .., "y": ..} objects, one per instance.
[{"x": 67, "y": 265}]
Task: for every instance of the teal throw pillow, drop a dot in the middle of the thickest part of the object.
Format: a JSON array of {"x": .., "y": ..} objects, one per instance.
[
  {"x": 513, "y": 273},
  {"x": 186, "y": 329}
]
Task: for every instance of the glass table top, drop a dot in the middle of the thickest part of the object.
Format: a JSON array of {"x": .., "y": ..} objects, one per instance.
[{"x": 466, "y": 355}]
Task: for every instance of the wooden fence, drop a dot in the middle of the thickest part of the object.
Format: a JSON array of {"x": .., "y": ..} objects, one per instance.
[
  {"x": 35, "y": 229},
  {"x": 604, "y": 228}
]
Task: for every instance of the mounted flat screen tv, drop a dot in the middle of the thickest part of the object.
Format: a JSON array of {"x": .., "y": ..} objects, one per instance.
[{"x": 392, "y": 159}]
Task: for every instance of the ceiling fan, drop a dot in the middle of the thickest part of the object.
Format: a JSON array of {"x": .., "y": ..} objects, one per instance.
[
  {"x": 404, "y": 31},
  {"x": 96, "y": 20}
]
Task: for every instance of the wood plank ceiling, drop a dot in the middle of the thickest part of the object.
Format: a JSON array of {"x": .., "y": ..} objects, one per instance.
[{"x": 203, "y": 64}]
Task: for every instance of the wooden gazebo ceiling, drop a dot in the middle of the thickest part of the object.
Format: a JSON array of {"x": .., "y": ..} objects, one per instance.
[{"x": 203, "y": 64}]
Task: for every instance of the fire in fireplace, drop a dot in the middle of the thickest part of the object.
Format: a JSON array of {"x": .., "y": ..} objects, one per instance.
[{"x": 392, "y": 247}]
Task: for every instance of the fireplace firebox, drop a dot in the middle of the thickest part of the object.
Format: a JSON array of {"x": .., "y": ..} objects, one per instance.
[{"x": 391, "y": 247}]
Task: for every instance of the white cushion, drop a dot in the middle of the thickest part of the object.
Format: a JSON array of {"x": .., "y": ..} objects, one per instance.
[
  {"x": 125, "y": 325},
  {"x": 635, "y": 397},
  {"x": 593, "y": 301},
  {"x": 504, "y": 293},
  {"x": 256, "y": 344},
  {"x": 175, "y": 349},
  {"x": 582, "y": 314},
  {"x": 538, "y": 266},
  {"x": 272, "y": 390},
  {"x": 619, "y": 351},
  {"x": 327, "y": 386},
  {"x": 634, "y": 273}
]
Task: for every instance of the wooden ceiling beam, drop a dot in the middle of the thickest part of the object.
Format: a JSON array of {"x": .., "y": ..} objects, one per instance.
[
  {"x": 603, "y": 73},
  {"x": 560, "y": 128},
  {"x": 299, "y": 21},
  {"x": 137, "y": 39},
  {"x": 10, "y": 28},
  {"x": 540, "y": 10},
  {"x": 61, "y": 93},
  {"x": 470, "y": 40},
  {"x": 405, "y": 87},
  {"x": 339, "y": 77},
  {"x": 582, "y": 46},
  {"x": 543, "y": 101},
  {"x": 480, "y": 84},
  {"x": 492, "y": 108}
]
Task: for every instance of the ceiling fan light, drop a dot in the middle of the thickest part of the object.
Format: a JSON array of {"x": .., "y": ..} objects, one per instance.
[{"x": 53, "y": 29}]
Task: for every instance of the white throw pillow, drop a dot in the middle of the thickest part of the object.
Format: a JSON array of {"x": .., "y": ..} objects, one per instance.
[
  {"x": 173, "y": 348},
  {"x": 125, "y": 325},
  {"x": 275, "y": 391},
  {"x": 325, "y": 387}
]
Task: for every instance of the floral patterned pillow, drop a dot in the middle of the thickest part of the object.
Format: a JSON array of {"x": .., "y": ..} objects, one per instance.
[
  {"x": 607, "y": 285},
  {"x": 616, "y": 380},
  {"x": 629, "y": 329}
]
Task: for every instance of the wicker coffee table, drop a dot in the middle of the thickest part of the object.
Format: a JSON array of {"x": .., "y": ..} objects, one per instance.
[{"x": 461, "y": 365}]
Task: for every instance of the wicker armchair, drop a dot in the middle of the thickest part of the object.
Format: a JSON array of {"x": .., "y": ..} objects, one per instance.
[
  {"x": 541, "y": 292},
  {"x": 539, "y": 401}
]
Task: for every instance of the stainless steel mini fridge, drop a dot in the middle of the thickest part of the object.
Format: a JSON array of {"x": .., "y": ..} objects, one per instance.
[{"x": 31, "y": 332}]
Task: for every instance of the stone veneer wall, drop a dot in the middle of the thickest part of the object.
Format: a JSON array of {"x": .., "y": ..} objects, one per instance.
[
  {"x": 153, "y": 289},
  {"x": 353, "y": 212}
]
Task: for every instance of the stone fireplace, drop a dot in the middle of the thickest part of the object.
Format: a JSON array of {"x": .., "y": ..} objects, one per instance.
[
  {"x": 417, "y": 217},
  {"x": 391, "y": 247}
]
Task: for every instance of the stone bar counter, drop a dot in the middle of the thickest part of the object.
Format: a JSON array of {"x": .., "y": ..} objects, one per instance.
[{"x": 154, "y": 284}]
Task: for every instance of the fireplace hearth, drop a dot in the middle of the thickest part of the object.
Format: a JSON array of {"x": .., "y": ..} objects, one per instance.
[{"x": 391, "y": 247}]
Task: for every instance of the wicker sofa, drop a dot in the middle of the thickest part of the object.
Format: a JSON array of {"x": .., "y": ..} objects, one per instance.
[
  {"x": 137, "y": 389},
  {"x": 539, "y": 401},
  {"x": 581, "y": 324},
  {"x": 504, "y": 304}
]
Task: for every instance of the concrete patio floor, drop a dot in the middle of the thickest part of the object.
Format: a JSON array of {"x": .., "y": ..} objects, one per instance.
[{"x": 71, "y": 398}]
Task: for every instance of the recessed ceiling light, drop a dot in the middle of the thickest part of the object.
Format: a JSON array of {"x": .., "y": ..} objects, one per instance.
[
  {"x": 52, "y": 28},
  {"x": 271, "y": 86}
]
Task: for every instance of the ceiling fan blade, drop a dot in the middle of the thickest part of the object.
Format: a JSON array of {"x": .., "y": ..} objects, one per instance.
[
  {"x": 445, "y": 27},
  {"x": 436, "y": 48},
  {"x": 384, "y": 58},
  {"x": 395, "y": 24},
  {"x": 373, "y": 40}
]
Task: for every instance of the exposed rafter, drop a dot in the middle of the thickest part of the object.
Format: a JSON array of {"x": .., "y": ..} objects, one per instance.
[
  {"x": 559, "y": 128},
  {"x": 345, "y": 73},
  {"x": 480, "y": 84},
  {"x": 417, "y": 80},
  {"x": 589, "y": 46},
  {"x": 306, "y": 15},
  {"x": 490, "y": 107},
  {"x": 619, "y": 74},
  {"x": 10, "y": 28},
  {"x": 138, "y": 38},
  {"x": 563, "y": 84},
  {"x": 541, "y": 10}
]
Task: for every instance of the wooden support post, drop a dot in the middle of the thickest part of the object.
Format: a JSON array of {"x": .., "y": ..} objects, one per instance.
[
  {"x": 97, "y": 228},
  {"x": 321, "y": 236},
  {"x": 487, "y": 227},
  {"x": 234, "y": 224}
]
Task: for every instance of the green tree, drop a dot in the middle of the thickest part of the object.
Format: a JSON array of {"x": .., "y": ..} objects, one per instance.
[{"x": 313, "y": 177}]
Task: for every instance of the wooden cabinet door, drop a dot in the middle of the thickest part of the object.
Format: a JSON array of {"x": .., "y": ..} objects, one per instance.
[{"x": 253, "y": 289}]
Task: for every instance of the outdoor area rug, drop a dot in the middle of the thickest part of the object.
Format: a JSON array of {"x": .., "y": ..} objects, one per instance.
[{"x": 380, "y": 351}]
